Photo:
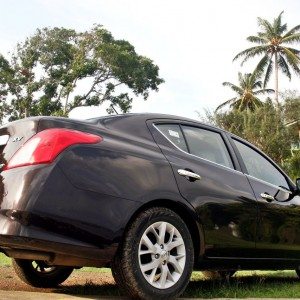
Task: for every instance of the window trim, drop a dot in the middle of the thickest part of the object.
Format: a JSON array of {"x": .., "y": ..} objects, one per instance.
[
  {"x": 212, "y": 162},
  {"x": 245, "y": 170},
  {"x": 271, "y": 184}
]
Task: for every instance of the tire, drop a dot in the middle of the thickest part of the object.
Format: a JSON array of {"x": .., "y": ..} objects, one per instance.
[
  {"x": 172, "y": 257},
  {"x": 39, "y": 274}
]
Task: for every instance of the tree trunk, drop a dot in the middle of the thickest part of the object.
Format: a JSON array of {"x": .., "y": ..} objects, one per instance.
[
  {"x": 276, "y": 80},
  {"x": 66, "y": 104}
]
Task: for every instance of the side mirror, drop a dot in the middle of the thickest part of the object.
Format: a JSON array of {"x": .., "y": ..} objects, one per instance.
[{"x": 283, "y": 195}]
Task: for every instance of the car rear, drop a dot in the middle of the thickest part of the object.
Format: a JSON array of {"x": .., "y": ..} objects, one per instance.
[{"x": 34, "y": 221}]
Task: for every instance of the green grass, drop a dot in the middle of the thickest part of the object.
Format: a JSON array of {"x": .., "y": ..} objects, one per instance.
[
  {"x": 4, "y": 260},
  {"x": 244, "y": 284}
]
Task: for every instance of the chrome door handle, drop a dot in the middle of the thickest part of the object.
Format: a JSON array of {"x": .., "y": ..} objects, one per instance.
[
  {"x": 267, "y": 197},
  {"x": 189, "y": 174}
]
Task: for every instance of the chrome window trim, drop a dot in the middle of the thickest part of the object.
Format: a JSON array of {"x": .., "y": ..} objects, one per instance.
[
  {"x": 269, "y": 183},
  {"x": 212, "y": 162}
]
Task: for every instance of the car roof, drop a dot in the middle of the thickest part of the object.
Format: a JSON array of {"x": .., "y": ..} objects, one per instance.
[{"x": 149, "y": 116}]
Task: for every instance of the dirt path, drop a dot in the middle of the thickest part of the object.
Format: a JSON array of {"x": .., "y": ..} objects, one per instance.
[{"x": 80, "y": 282}]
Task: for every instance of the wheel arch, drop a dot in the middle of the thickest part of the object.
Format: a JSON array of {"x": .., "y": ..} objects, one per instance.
[{"x": 187, "y": 215}]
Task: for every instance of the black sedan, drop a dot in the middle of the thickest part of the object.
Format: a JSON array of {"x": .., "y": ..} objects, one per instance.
[{"x": 152, "y": 196}]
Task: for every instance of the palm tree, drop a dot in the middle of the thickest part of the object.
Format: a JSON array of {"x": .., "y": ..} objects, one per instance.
[
  {"x": 273, "y": 43},
  {"x": 246, "y": 92}
]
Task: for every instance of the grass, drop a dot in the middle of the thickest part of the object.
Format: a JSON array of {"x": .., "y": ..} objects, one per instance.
[{"x": 244, "y": 284}]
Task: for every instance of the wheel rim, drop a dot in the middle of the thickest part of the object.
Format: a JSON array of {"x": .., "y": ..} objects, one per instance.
[
  {"x": 42, "y": 268},
  {"x": 162, "y": 255}
]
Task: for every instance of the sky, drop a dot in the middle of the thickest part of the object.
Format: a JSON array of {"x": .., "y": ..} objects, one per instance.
[{"x": 193, "y": 42}]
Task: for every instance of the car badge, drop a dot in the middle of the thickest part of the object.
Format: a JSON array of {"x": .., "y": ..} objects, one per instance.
[{"x": 17, "y": 138}]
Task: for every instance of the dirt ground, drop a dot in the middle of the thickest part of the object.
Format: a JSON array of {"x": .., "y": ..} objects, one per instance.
[{"x": 80, "y": 282}]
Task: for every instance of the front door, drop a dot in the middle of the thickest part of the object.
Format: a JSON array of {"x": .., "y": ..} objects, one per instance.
[
  {"x": 278, "y": 230},
  {"x": 208, "y": 176}
]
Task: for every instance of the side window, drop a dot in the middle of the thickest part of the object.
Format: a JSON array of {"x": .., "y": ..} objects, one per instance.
[
  {"x": 259, "y": 167},
  {"x": 208, "y": 145},
  {"x": 174, "y": 134}
]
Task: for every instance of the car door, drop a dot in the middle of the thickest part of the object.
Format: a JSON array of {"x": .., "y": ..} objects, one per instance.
[
  {"x": 209, "y": 177},
  {"x": 278, "y": 229}
]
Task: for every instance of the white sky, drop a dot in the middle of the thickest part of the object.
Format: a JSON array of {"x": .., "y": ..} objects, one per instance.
[{"x": 193, "y": 42}]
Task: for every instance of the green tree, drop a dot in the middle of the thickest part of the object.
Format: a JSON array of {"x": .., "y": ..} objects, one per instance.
[
  {"x": 263, "y": 127},
  {"x": 266, "y": 128},
  {"x": 58, "y": 69},
  {"x": 6, "y": 75},
  {"x": 274, "y": 42},
  {"x": 292, "y": 165},
  {"x": 247, "y": 92}
]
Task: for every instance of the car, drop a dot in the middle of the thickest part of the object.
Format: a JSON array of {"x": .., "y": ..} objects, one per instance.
[{"x": 152, "y": 196}]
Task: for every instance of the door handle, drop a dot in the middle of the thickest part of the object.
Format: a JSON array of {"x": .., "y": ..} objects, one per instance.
[
  {"x": 267, "y": 197},
  {"x": 189, "y": 174}
]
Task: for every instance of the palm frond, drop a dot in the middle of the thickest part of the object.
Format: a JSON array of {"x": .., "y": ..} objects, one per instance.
[
  {"x": 292, "y": 59},
  {"x": 257, "y": 39},
  {"x": 263, "y": 91},
  {"x": 268, "y": 72},
  {"x": 268, "y": 28},
  {"x": 292, "y": 31},
  {"x": 293, "y": 50},
  {"x": 257, "y": 102},
  {"x": 277, "y": 27},
  {"x": 226, "y": 103},
  {"x": 293, "y": 38},
  {"x": 241, "y": 79},
  {"x": 251, "y": 52},
  {"x": 284, "y": 66},
  {"x": 257, "y": 84},
  {"x": 260, "y": 68},
  {"x": 233, "y": 87}
]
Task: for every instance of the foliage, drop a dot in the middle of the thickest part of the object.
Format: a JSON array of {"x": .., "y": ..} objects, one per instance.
[
  {"x": 273, "y": 44},
  {"x": 292, "y": 106},
  {"x": 49, "y": 71},
  {"x": 292, "y": 165},
  {"x": 265, "y": 127},
  {"x": 247, "y": 92}
]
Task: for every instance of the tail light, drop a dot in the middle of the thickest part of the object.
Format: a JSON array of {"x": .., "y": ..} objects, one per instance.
[{"x": 46, "y": 145}]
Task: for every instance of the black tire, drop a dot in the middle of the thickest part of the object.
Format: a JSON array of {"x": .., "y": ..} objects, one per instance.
[
  {"x": 126, "y": 265},
  {"x": 39, "y": 274}
]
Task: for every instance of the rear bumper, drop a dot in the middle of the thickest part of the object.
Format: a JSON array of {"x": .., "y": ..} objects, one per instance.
[
  {"x": 55, "y": 253},
  {"x": 43, "y": 215}
]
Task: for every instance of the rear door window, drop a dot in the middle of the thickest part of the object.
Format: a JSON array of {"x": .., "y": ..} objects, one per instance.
[{"x": 173, "y": 133}]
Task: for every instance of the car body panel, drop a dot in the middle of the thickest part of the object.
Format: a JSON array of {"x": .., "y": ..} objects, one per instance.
[
  {"x": 278, "y": 233},
  {"x": 223, "y": 199}
]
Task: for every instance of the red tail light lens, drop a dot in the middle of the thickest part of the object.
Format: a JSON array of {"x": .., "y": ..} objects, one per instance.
[{"x": 46, "y": 145}]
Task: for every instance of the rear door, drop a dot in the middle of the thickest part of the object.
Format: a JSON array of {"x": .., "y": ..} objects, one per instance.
[
  {"x": 278, "y": 229},
  {"x": 209, "y": 177}
]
